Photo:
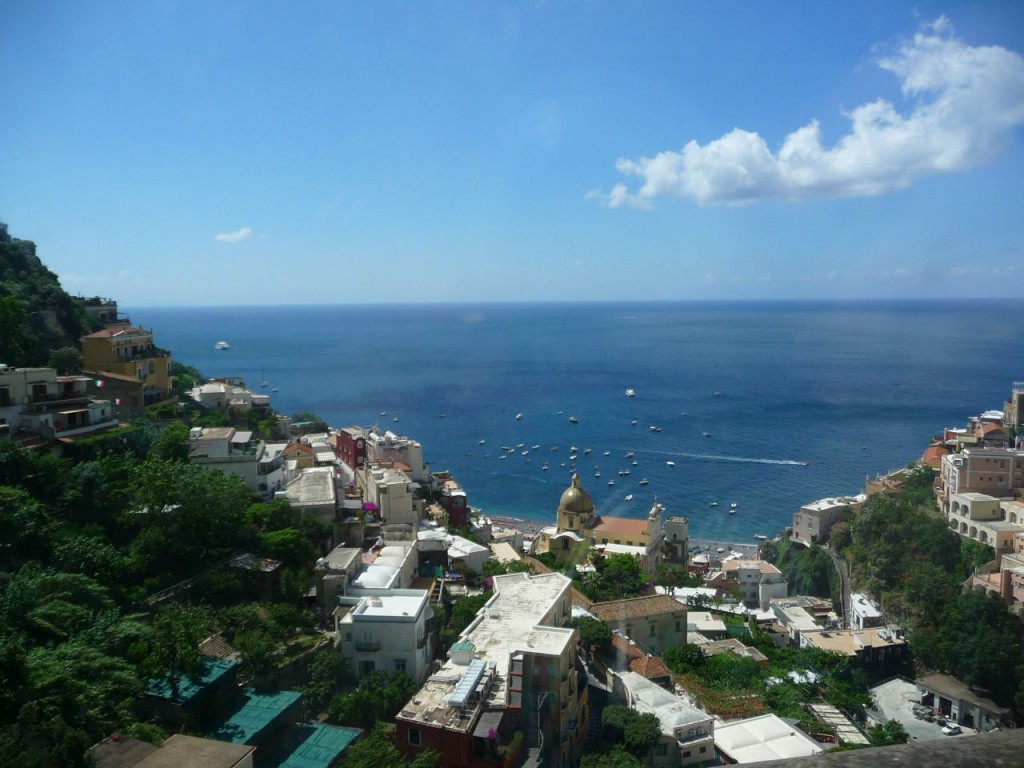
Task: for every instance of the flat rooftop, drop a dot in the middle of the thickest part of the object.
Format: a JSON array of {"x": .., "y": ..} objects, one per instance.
[
  {"x": 508, "y": 624},
  {"x": 849, "y": 641}
]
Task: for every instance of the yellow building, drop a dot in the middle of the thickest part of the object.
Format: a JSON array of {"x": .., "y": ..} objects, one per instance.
[
  {"x": 129, "y": 351},
  {"x": 577, "y": 522}
]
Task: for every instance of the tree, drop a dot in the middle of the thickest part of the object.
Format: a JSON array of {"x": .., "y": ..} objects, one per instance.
[
  {"x": 594, "y": 635},
  {"x": 326, "y": 672},
  {"x": 618, "y": 757},
  {"x": 174, "y": 646},
  {"x": 887, "y": 734},
  {"x": 258, "y": 651},
  {"x": 376, "y": 749},
  {"x": 378, "y": 697},
  {"x": 683, "y": 659},
  {"x": 637, "y": 732},
  {"x": 67, "y": 361}
]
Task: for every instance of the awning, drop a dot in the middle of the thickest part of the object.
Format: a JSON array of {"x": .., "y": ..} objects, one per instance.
[
  {"x": 488, "y": 721},
  {"x": 77, "y": 410}
]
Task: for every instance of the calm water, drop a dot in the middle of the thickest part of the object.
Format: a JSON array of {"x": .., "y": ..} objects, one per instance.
[{"x": 852, "y": 389}]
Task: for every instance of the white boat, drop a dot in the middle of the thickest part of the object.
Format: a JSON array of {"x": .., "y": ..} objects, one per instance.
[
  {"x": 706, "y": 434},
  {"x": 760, "y": 537},
  {"x": 597, "y": 473},
  {"x": 611, "y": 482},
  {"x": 586, "y": 451},
  {"x": 670, "y": 463},
  {"x": 607, "y": 453},
  {"x": 481, "y": 442},
  {"x": 573, "y": 420},
  {"x": 623, "y": 472},
  {"x": 629, "y": 497},
  {"x": 714, "y": 504},
  {"x": 645, "y": 481},
  {"x": 629, "y": 454},
  {"x": 635, "y": 462},
  {"x": 630, "y": 393},
  {"x": 733, "y": 505},
  {"x": 222, "y": 345},
  {"x": 519, "y": 417},
  {"x": 653, "y": 428},
  {"x": 632, "y": 423}
]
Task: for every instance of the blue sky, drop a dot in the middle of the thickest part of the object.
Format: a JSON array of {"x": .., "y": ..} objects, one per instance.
[{"x": 195, "y": 153}]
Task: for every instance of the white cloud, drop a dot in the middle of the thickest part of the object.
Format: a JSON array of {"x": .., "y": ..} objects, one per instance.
[
  {"x": 233, "y": 237},
  {"x": 963, "y": 105}
]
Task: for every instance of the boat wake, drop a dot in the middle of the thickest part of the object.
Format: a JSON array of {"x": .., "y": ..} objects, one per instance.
[{"x": 737, "y": 459}]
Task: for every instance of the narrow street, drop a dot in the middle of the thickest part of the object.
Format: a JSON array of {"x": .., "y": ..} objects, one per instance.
[{"x": 844, "y": 583}]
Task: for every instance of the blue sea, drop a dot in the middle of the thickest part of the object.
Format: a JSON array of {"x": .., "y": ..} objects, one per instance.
[{"x": 799, "y": 400}]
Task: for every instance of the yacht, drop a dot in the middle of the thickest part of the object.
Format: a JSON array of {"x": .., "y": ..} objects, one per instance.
[
  {"x": 645, "y": 481},
  {"x": 670, "y": 463},
  {"x": 629, "y": 497},
  {"x": 222, "y": 345},
  {"x": 630, "y": 393},
  {"x": 653, "y": 428},
  {"x": 573, "y": 420}
]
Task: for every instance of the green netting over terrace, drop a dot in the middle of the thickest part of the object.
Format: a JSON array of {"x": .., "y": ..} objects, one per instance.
[
  {"x": 258, "y": 713},
  {"x": 189, "y": 688},
  {"x": 322, "y": 744}
]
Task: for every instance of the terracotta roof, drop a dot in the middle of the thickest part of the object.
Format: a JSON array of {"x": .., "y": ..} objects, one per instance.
[
  {"x": 636, "y": 607},
  {"x": 217, "y": 647},
  {"x": 933, "y": 456},
  {"x": 626, "y": 525},
  {"x": 631, "y": 652},
  {"x": 650, "y": 667},
  {"x": 762, "y": 565}
]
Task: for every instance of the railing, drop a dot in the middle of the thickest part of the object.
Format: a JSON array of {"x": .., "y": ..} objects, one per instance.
[{"x": 367, "y": 645}]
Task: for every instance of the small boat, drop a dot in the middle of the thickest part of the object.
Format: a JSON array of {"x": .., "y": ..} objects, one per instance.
[
  {"x": 718, "y": 394},
  {"x": 534, "y": 447},
  {"x": 629, "y": 497},
  {"x": 222, "y": 345},
  {"x": 519, "y": 446},
  {"x": 519, "y": 417},
  {"x": 623, "y": 472},
  {"x": 481, "y": 442},
  {"x": 544, "y": 467},
  {"x": 503, "y": 456},
  {"x": 630, "y": 393},
  {"x": 653, "y": 428},
  {"x": 632, "y": 423},
  {"x": 670, "y": 463},
  {"x": 273, "y": 389},
  {"x": 732, "y": 511},
  {"x": 573, "y": 420},
  {"x": 597, "y": 473},
  {"x": 611, "y": 482},
  {"x": 607, "y": 453},
  {"x": 586, "y": 451},
  {"x": 635, "y": 462},
  {"x": 395, "y": 419},
  {"x": 629, "y": 454},
  {"x": 645, "y": 481},
  {"x": 706, "y": 434},
  {"x": 733, "y": 505},
  {"x": 383, "y": 413},
  {"x": 804, "y": 463},
  {"x": 263, "y": 384},
  {"x": 714, "y": 504},
  {"x": 760, "y": 537}
]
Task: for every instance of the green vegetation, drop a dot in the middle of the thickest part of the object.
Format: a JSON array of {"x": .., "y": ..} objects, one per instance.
[
  {"x": 615, "y": 577},
  {"x": 378, "y": 697},
  {"x": 376, "y": 750},
  {"x": 37, "y": 316},
  {"x": 905, "y": 555},
  {"x": 808, "y": 571}
]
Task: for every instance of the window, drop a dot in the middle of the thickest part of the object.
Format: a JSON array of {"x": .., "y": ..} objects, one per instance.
[
  {"x": 348, "y": 636},
  {"x": 686, "y": 754},
  {"x": 415, "y": 738},
  {"x": 366, "y": 667},
  {"x": 660, "y": 750},
  {"x": 703, "y": 749},
  {"x": 399, "y": 665}
]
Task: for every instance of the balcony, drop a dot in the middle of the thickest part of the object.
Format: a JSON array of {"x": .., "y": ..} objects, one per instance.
[
  {"x": 367, "y": 645},
  {"x": 143, "y": 354}
]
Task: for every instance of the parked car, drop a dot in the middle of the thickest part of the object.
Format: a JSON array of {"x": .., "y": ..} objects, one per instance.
[{"x": 951, "y": 729}]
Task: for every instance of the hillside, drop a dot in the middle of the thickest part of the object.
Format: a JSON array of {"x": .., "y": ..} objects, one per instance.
[{"x": 37, "y": 315}]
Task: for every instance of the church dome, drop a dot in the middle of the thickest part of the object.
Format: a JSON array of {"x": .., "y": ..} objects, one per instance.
[{"x": 575, "y": 499}]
